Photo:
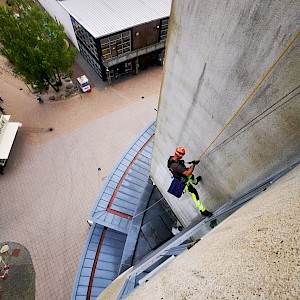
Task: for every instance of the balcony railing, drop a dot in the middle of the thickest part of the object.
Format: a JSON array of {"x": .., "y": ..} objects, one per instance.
[{"x": 132, "y": 54}]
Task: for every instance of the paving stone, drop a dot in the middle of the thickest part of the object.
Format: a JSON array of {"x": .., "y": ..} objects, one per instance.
[{"x": 50, "y": 186}]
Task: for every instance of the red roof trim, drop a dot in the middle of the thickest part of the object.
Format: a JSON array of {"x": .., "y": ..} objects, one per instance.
[{"x": 109, "y": 209}]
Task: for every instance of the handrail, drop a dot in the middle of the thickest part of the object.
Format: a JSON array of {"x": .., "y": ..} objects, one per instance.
[{"x": 129, "y": 55}]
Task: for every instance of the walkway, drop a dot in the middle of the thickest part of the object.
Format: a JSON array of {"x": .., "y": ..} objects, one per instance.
[
  {"x": 130, "y": 217},
  {"x": 52, "y": 179}
]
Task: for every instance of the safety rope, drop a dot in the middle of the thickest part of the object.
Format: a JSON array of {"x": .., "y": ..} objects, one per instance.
[
  {"x": 142, "y": 212},
  {"x": 238, "y": 110},
  {"x": 258, "y": 118},
  {"x": 251, "y": 94}
]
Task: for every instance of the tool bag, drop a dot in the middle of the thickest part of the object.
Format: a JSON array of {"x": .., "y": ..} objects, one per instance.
[{"x": 176, "y": 188}]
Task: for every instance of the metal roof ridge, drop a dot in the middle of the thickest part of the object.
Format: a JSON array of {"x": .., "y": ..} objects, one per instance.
[{"x": 110, "y": 193}]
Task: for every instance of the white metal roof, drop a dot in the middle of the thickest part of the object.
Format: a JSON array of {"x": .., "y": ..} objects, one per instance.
[
  {"x": 104, "y": 17},
  {"x": 8, "y": 136}
]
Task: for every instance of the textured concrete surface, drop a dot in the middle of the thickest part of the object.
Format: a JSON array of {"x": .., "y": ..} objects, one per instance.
[
  {"x": 254, "y": 254},
  {"x": 217, "y": 52},
  {"x": 113, "y": 290}
]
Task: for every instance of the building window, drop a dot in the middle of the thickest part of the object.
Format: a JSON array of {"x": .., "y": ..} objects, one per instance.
[
  {"x": 116, "y": 45},
  {"x": 85, "y": 37},
  {"x": 96, "y": 66},
  {"x": 164, "y": 29}
]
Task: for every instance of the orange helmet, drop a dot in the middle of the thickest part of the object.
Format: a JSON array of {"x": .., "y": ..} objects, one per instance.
[{"x": 180, "y": 151}]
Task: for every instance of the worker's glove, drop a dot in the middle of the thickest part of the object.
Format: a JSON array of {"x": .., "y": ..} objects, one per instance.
[{"x": 194, "y": 162}]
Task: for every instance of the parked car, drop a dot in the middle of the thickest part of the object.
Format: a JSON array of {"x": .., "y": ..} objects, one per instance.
[{"x": 84, "y": 84}]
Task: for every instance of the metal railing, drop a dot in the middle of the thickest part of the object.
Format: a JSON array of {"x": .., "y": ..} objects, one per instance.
[{"x": 132, "y": 54}]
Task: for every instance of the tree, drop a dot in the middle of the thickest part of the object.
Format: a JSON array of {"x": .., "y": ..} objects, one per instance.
[{"x": 35, "y": 44}]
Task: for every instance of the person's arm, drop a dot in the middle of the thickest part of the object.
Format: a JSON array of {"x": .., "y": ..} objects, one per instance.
[{"x": 189, "y": 171}]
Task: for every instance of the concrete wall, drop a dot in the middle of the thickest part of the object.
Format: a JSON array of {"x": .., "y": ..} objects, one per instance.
[
  {"x": 58, "y": 13},
  {"x": 254, "y": 254},
  {"x": 217, "y": 52}
]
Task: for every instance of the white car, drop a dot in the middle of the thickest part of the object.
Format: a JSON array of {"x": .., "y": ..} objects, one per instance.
[{"x": 84, "y": 84}]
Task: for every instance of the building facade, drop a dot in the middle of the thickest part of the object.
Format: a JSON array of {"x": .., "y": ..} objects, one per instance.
[
  {"x": 60, "y": 15},
  {"x": 115, "y": 37},
  {"x": 242, "y": 69},
  {"x": 125, "y": 51}
]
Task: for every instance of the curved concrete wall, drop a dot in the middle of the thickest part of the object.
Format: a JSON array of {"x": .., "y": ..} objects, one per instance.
[{"x": 217, "y": 52}]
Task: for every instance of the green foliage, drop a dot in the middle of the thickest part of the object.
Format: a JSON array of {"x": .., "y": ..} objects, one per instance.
[{"x": 34, "y": 43}]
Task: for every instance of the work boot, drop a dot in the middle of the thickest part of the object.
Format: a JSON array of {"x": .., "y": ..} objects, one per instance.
[
  {"x": 206, "y": 213},
  {"x": 199, "y": 178}
]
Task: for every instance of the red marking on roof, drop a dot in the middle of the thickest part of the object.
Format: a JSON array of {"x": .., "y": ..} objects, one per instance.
[
  {"x": 109, "y": 209},
  {"x": 89, "y": 291}
]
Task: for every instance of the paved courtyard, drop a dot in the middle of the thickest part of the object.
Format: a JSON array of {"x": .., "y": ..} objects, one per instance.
[{"x": 52, "y": 178}]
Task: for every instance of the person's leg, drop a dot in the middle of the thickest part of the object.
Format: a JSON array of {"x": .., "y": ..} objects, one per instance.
[
  {"x": 194, "y": 180},
  {"x": 199, "y": 178},
  {"x": 195, "y": 196}
]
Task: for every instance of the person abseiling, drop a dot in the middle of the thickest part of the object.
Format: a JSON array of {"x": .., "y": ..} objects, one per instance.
[{"x": 177, "y": 167}]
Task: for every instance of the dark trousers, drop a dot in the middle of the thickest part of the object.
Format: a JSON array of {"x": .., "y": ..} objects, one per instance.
[{"x": 192, "y": 190}]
